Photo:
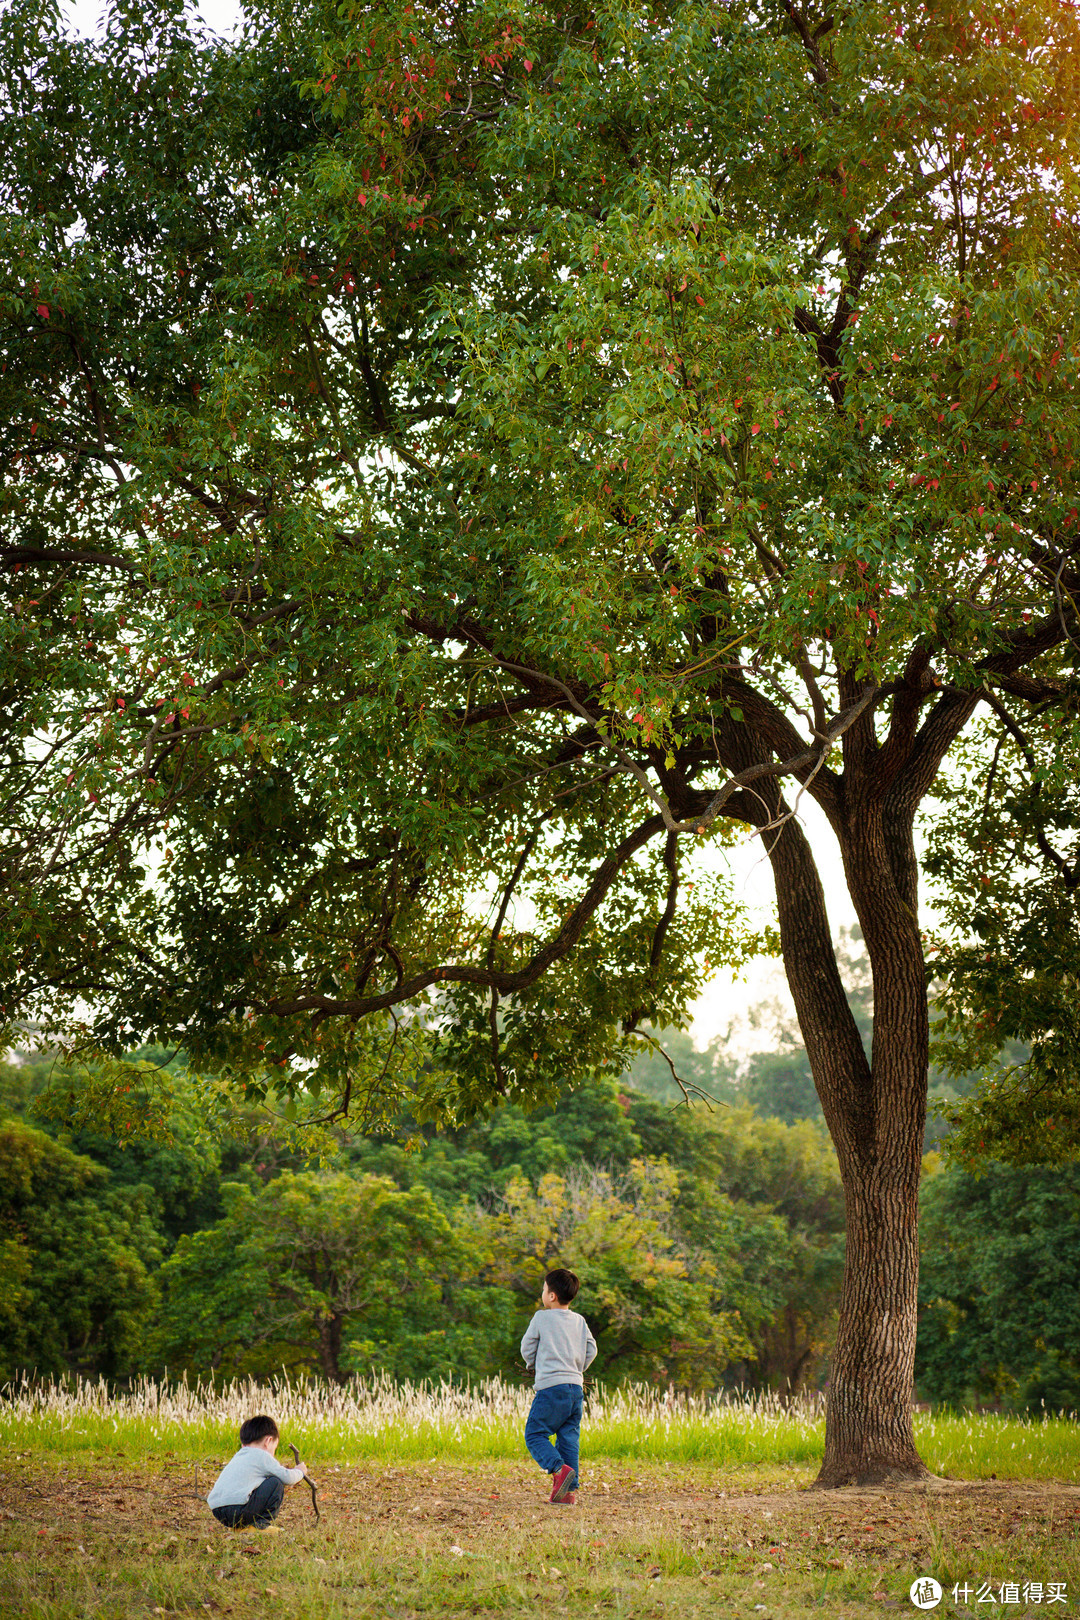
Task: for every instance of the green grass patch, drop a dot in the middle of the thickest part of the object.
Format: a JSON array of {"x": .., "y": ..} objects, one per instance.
[{"x": 986, "y": 1445}]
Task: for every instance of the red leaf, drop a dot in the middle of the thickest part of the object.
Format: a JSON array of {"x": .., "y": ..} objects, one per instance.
[
  {"x": 43, "y": 311},
  {"x": 528, "y": 64}
]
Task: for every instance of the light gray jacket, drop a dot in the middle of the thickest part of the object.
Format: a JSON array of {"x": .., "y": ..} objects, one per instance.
[
  {"x": 244, "y": 1473},
  {"x": 559, "y": 1347}
]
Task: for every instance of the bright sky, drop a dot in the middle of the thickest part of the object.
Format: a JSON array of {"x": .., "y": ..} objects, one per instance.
[
  {"x": 84, "y": 16},
  {"x": 726, "y": 998}
]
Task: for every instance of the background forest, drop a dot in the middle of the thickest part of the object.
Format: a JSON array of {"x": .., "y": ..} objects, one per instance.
[{"x": 224, "y": 1240}]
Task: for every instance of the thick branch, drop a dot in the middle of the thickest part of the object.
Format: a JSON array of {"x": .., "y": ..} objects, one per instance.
[
  {"x": 506, "y": 982},
  {"x": 955, "y": 707},
  {"x": 14, "y": 556},
  {"x": 809, "y": 759}
]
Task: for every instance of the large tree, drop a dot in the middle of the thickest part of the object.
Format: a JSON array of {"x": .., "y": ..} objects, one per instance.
[{"x": 454, "y": 450}]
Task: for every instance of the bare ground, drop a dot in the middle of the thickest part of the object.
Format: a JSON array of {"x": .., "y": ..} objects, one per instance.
[{"x": 106, "y": 1539}]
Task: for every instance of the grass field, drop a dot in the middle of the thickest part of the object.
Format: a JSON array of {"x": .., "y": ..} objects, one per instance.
[{"x": 430, "y": 1508}]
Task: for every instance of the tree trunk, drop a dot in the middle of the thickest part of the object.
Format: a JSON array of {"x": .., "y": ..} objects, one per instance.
[
  {"x": 868, "y": 1433},
  {"x": 876, "y": 1112},
  {"x": 330, "y": 1349}
]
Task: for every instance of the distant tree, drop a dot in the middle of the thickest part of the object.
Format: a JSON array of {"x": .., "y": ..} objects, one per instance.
[
  {"x": 1000, "y": 1291},
  {"x": 77, "y": 1292},
  {"x": 23, "y": 1076},
  {"x": 588, "y": 1123},
  {"x": 761, "y": 1202},
  {"x": 180, "y": 1175},
  {"x": 779, "y": 1085},
  {"x": 152, "y": 1125},
  {"x": 660, "y": 1308},
  {"x": 788, "y": 1171},
  {"x": 329, "y": 1274}
]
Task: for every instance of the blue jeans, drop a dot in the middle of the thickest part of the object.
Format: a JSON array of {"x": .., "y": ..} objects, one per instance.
[{"x": 555, "y": 1411}]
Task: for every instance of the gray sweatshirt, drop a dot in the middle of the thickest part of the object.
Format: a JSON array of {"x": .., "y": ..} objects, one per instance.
[
  {"x": 559, "y": 1346},
  {"x": 244, "y": 1473}
]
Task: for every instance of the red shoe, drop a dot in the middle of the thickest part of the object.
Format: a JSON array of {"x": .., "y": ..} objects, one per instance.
[
  {"x": 563, "y": 1481},
  {"x": 569, "y": 1500}
]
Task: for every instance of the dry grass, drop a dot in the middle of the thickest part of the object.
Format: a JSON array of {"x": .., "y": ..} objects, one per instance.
[
  {"x": 379, "y": 1419},
  {"x": 391, "y": 1423}
]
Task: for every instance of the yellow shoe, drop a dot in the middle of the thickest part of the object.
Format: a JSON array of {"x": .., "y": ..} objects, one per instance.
[{"x": 269, "y": 1529}]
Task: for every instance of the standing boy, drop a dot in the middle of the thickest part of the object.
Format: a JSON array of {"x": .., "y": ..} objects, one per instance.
[
  {"x": 251, "y": 1487},
  {"x": 559, "y": 1346}
]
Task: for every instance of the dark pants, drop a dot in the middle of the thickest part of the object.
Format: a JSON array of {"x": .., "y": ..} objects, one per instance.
[
  {"x": 260, "y": 1509},
  {"x": 555, "y": 1411}
]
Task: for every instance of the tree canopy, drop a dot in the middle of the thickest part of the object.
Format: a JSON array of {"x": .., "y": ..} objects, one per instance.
[
  {"x": 76, "y": 1260},
  {"x": 369, "y": 379}
]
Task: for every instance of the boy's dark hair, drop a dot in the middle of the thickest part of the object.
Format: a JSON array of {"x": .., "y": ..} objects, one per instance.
[
  {"x": 252, "y": 1430},
  {"x": 563, "y": 1284}
]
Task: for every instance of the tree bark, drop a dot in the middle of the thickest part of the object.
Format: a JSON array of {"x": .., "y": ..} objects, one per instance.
[
  {"x": 876, "y": 1111},
  {"x": 330, "y": 1349}
]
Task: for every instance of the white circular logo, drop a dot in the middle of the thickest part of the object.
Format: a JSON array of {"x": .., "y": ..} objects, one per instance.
[{"x": 925, "y": 1592}]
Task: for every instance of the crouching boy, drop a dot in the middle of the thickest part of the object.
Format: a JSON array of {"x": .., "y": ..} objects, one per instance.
[
  {"x": 251, "y": 1487},
  {"x": 558, "y": 1347}
]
